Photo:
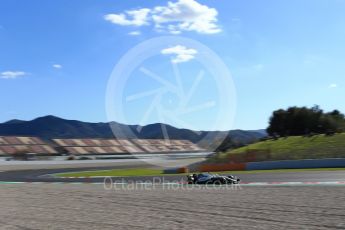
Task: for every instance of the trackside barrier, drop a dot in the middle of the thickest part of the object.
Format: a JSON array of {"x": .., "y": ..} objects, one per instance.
[
  {"x": 285, "y": 164},
  {"x": 183, "y": 170},
  {"x": 222, "y": 167},
  {"x": 297, "y": 164},
  {"x": 176, "y": 170}
]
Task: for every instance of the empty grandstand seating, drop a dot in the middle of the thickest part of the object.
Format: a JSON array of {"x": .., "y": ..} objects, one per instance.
[
  {"x": 10, "y": 145},
  {"x": 122, "y": 146},
  {"x": 98, "y": 146},
  {"x": 156, "y": 145}
]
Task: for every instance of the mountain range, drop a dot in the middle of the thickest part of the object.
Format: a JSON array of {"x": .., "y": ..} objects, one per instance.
[{"x": 49, "y": 127}]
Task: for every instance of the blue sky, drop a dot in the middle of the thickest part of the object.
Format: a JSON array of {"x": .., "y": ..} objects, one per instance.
[{"x": 56, "y": 57}]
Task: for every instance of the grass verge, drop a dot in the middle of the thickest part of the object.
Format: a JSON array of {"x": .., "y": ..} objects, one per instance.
[
  {"x": 292, "y": 148},
  {"x": 114, "y": 172}
]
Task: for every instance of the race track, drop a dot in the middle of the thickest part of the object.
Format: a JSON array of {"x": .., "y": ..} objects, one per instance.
[
  {"x": 90, "y": 205},
  {"x": 45, "y": 175}
]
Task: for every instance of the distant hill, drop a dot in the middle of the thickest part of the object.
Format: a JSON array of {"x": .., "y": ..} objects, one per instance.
[
  {"x": 14, "y": 121},
  {"x": 49, "y": 127},
  {"x": 261, "y": 131}
]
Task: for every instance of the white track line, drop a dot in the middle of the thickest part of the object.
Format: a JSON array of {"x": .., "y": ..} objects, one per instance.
[
  {"x": 184, "y": 184},
  {"x": 293, "y": 183}
]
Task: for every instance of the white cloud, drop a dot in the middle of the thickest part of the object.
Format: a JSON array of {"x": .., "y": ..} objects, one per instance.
[
  {"x": 333, "y": 85},
  {"x": 12, "y": 74},
  {"x": 181, "y": 53},
  {"x": 186, "y": 15},
  {"x": 134, "y": 33},
  {"x": 130, "y": 17},
  {"x": 57, "y": 66},
  {"x": 175, "y": 17}
]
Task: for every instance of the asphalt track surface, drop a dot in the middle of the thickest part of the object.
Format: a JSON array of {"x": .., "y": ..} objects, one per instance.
[
  {"x": 46, "y": 175},
  {"x": 26, "y": 206},
  {"x": 90, "y": 206}
]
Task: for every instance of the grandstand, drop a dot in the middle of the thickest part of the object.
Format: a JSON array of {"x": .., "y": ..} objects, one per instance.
[
  {"x": 165, "y": 146},
  {"x": 10, "y": 145},
  {"x": 122, "y": 146},
  {"x": 98, "y": 146}
]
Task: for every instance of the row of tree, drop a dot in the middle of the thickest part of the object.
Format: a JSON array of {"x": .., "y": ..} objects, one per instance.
[{"x": 305, "y": 121}]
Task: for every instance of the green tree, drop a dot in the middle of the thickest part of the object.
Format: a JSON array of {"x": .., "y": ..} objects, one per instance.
[{"x": 304, "y": 121}]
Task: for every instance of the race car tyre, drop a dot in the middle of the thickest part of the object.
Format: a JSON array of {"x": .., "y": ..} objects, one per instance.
[{"x": 217, "y": 182}]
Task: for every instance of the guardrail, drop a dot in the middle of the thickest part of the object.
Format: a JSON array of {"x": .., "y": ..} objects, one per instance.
[
  {"x": 285, "y": 164},
  {"x": 297, "y": 164}
]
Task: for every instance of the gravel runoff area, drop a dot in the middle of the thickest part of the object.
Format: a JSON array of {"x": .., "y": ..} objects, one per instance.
[{"x": 85, "y": 206}]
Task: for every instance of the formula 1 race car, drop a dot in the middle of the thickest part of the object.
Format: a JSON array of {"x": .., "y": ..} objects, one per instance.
[{"x": 208, "y": 178}]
